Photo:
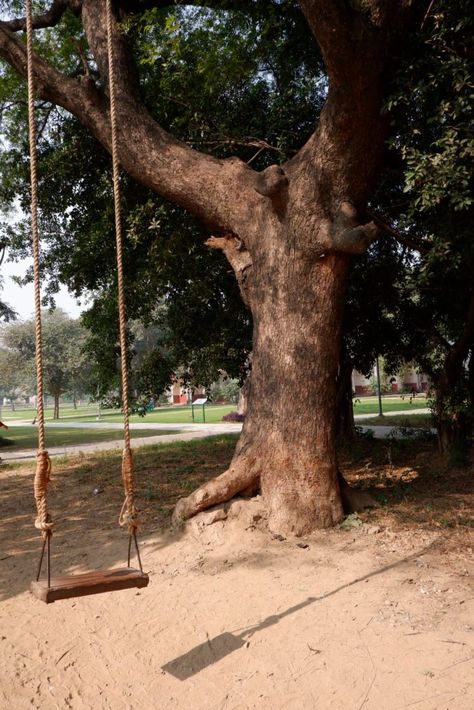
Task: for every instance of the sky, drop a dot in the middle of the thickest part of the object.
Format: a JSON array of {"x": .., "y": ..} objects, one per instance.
[{"x": 20, "y": 298}]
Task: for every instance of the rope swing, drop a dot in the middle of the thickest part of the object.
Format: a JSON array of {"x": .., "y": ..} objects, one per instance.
[
  {"x": 101, "y": 580},
  {"x": 43, "y": 462},
  {"x": 128, "y": 515}
]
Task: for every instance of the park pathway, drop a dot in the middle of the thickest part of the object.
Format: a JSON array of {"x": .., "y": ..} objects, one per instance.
[{"x": 184, "y": 432}]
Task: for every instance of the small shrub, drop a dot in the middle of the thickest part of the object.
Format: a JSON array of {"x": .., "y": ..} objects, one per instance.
[
  {"x": 233, "y": 417},
  {"x": 413, "y": 433},
  {"x": 364, "y": 433}
]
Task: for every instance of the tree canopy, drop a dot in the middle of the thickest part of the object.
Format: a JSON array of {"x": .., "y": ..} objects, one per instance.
[{"x": 217, "y": 109}]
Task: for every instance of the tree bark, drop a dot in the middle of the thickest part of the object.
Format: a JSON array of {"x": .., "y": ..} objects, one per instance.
[
  {"x": 56, "y": 407},
  {"x": 452, "y": 424},
  {"x": 470, "y": 384},
  {"x": 288, "y": 441}
]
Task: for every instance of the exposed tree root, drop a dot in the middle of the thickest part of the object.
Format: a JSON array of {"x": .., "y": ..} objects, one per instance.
[
  {"x": 237, "y": 479},
  {"x": 244, "y": 480}
]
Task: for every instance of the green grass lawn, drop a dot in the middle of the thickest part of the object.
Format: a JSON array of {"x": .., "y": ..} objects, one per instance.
[
  {"x": 26, "y": 437},
  {"x": 369, "y": 405},
  {"x": 177, "y": 414},
  {"x": 168, "y": 415},
  {"x": 27, "y": 413}
]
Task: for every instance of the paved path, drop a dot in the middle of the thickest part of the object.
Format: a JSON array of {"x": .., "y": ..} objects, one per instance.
[
  {"x": 199, "y": 431},
  {"x": 402, "y": 413},
  {"x": 183, "y": 432},
  {"x": 63, "y": 423}
]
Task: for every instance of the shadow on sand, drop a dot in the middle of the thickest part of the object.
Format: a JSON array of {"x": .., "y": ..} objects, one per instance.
[{"x": 213, "y": 650}]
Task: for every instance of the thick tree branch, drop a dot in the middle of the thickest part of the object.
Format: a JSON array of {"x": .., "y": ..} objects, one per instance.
[
  {"x": 47, "y": 19},
  {"x": 334, "y": 27},
  {"x": 51, "y": 85},
  {"x": 351, "y": 31},
  {"x": 355, "y": 40},
  {"x": 219, "y": 192},
  {"x": 237, "y": 256},
  {"x": 234, "y": 249}
]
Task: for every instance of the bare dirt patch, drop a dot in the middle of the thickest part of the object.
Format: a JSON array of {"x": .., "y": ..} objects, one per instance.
[{"x": 377, "y": 614}]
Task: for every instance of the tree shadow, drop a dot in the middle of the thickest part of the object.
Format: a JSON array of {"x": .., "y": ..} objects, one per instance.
[
  {"x": 213, "y": 650},
  {"x": 412, "y": 482}
]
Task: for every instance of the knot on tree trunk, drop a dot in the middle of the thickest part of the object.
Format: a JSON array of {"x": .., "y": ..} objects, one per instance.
[
  {"x": 273, "y": 183},
  {"x": 348, "y": 234}
]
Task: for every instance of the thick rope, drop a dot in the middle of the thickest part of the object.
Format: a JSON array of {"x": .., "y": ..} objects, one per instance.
[
  {"x": 43, "y": 465},
  {"x": 128, "y": 514},
  {"x": 43, "y": 521}
]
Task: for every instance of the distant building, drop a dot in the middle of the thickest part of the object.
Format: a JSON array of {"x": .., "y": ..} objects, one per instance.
[
  {"x": 360, "y": 383},
  {"x": 179, "y": 394},
  {"x": 408, "y": 381}
]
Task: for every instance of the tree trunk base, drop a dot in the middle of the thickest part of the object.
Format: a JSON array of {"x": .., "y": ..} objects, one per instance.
[{"x": 244, "y": 481}]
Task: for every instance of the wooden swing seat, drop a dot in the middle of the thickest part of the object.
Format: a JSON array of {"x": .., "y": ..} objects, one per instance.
[{"x": 81, "y": 585}]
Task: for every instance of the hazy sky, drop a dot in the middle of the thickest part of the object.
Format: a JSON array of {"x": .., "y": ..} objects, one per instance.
[{"x": 20, "y": 298}]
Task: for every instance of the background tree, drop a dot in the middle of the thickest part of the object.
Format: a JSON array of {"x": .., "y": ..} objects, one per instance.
[
  {"x": 63, "y": 339},
  {"x": 434, "y": 202},
  {"x": 13, "y": 381},
  {"x": 410, "y": 298},
  {"x": 6, "y": 312}
]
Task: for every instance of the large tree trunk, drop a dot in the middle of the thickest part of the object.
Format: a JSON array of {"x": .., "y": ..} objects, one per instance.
[
  {"x": 288, "y": 439},
  {"x": 242, "y": 405}
]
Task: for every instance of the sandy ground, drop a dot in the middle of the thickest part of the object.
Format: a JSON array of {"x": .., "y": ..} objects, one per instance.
[{"x": 359, "y": 618}]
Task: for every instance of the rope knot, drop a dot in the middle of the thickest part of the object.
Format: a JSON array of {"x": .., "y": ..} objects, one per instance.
[
  {"x": 43, "y": 520},
  {"x": 45, "y": 526},
  {"x": 129, "y": 513}
]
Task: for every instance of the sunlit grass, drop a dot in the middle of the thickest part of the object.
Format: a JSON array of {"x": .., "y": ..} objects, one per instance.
[{"x": 26, "y": 437}]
